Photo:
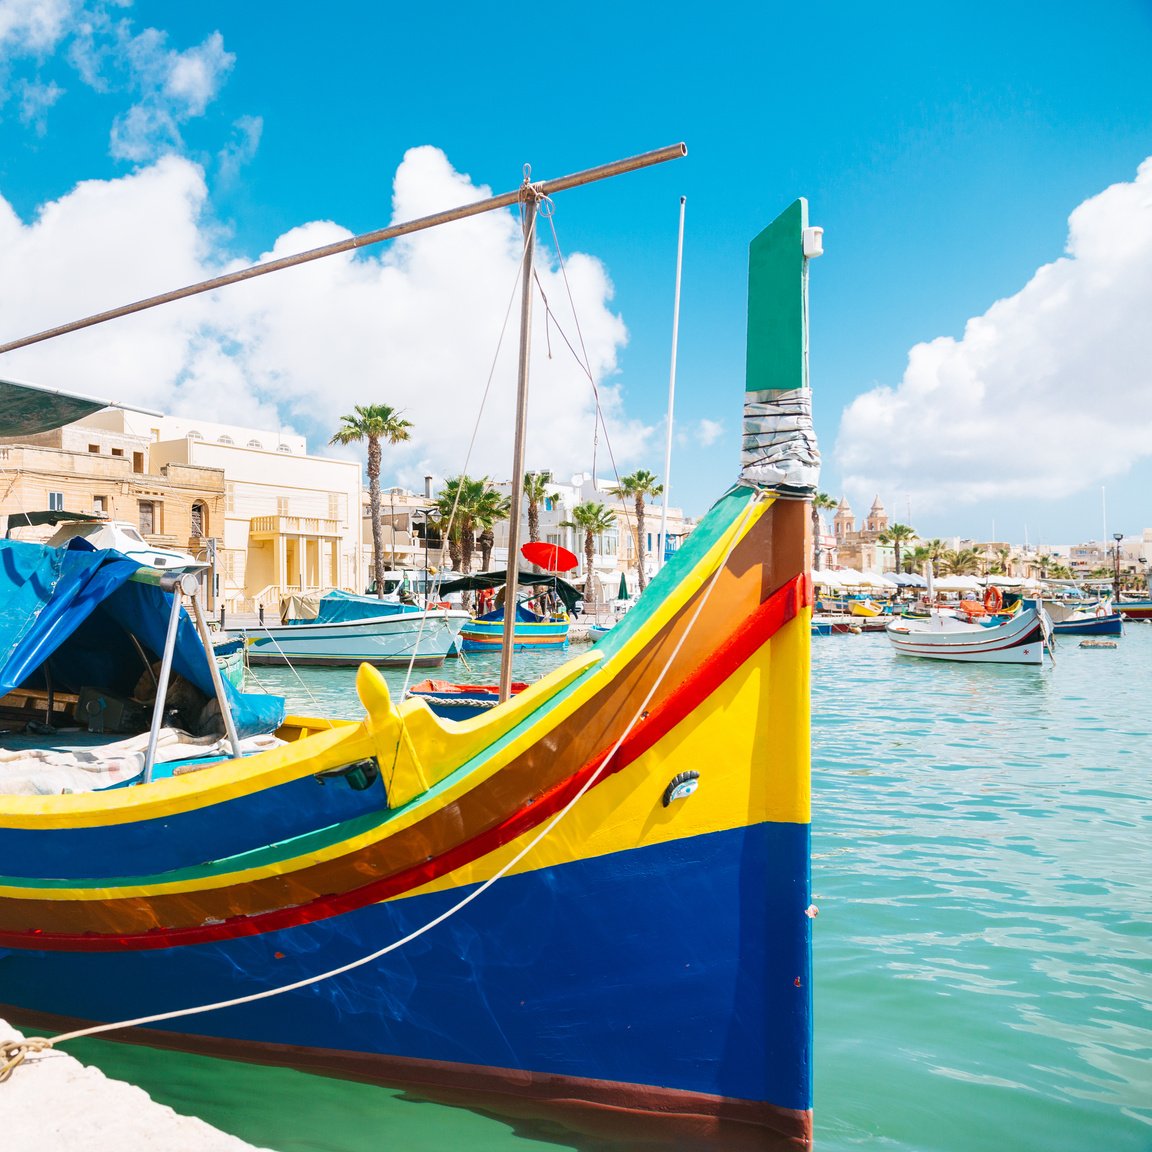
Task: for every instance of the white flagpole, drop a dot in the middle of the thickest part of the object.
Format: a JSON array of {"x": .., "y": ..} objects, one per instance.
[{"x": 663, "y": 544}]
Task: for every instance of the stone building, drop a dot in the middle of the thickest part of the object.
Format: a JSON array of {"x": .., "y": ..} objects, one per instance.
[
  {"x": 84, "y": 467},
  {"x": 270, "y": 517},
  {"x": 861, "y": 548}
]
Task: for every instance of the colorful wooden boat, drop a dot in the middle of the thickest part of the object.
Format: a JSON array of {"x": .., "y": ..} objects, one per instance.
[
  {"x": 590, "y": 906},
  {"x": 1135, "y": 609},
  {"x": 531, "y": 629},
  {"x": 530, "y": 632},
  {"x": 460, "y": 701},
  {"x": 1019, "y": 639}
]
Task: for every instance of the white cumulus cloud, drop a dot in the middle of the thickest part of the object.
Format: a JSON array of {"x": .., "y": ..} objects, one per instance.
[
  {"x": 1045, "y": 395},
  {"x": 416, "y": 324},
  {"x": 34, "y": 26}
]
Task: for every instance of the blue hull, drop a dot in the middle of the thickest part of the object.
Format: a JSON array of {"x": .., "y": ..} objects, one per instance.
[
  {"x": 1110, "y": 625},
  {"x": 532, "y": 968}
]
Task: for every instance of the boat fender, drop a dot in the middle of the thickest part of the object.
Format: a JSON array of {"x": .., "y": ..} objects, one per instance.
[
  {"x": 681, "y": 786},
  {"x": 993, "y": 598}
]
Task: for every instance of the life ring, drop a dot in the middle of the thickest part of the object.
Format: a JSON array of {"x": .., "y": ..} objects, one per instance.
[
  {"x": 993, "y": 599},
  {"x": 1101, "y": 610}
]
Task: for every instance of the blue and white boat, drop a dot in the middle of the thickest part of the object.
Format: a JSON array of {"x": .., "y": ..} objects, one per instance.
[{"x": 348, "y": 630}]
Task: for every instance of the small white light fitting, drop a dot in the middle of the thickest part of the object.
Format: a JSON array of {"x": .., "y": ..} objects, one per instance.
[{"x": 813, "y": 242}]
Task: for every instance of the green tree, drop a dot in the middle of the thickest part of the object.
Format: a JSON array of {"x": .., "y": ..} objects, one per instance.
[
  {"x": 489, "y": 510},
  {"x": 959, "y": 562},
  {"x": 821, "y": 502},
  {"x": 640, "y": 484},
  {"x": 897, "y": 535},
  {"x": 463, "y": 504},
  {"x": 374, "y": 423},
  {"x": 1002, "y": 563},
  {"x": 593, "y": 520},
  {"x": 536, "y": 486}
]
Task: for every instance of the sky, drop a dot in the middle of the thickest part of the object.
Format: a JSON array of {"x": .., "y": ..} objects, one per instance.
[{"x": 981, "y": 320}]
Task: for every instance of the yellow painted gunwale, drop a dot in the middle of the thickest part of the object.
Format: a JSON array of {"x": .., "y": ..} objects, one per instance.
[{"x": 424, "y": 728}]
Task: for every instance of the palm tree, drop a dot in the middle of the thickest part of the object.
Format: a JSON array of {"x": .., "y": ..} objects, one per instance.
[
  {"x": 640, "y": 484},
  {"x": 1002, "y": 563},
  {"x": 897, "y": 535},
  {"x": 489, "y": 510},
  {"x": 536, "y": 490},
  {"x": 821, "y": 502},
  {"x": 593, "y": 520},
  {"x": 457, "y": 504},
  {"x": 960, "y": 562},
  {"x": 374, "y": 422}
]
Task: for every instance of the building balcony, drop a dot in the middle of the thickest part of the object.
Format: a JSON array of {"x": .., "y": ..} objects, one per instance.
[{"x": 275, "y": 527}]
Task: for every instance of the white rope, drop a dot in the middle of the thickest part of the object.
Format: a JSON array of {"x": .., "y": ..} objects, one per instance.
[{"x": 483, "y": 887}]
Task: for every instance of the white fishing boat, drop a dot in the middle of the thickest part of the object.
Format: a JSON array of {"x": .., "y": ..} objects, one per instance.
[
  {"x": 343, "y": 629},
  {"x": 1021, "y": 639}
]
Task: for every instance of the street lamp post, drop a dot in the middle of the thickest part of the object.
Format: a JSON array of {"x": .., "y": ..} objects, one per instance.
[
  {"x": 1117, "y": 536},
  {"x": 427, "y": 575}
]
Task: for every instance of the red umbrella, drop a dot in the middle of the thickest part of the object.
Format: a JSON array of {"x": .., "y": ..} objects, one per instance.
[{"x": 550, "y": 557}]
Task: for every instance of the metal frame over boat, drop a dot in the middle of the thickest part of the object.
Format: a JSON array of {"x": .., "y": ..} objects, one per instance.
[{"x": 590, "y": 905}]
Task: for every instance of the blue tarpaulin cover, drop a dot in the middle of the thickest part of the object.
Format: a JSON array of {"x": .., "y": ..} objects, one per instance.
[
  {"x": 74, "y": 608},
  {"x": 339, "y": 607}
]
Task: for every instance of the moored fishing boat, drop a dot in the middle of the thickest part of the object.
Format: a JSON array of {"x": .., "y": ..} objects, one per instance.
[
  {"x": 530, "y": 632},
  {"x": 1135, "y": 609},
  {"x": 1095, "y": 623},
  {"x": 1019, "y": 639},
  {"x": 460, "y": 701},
  {"x": 344, "y": 630},
  {"x": 590, "y": 906},
  {"x": 531, "y": 629}
]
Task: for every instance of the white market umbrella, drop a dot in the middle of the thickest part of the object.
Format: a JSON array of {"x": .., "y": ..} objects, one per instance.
[
  {"x": 957, "y": 584},
  {"x": 825, "y": 578}
]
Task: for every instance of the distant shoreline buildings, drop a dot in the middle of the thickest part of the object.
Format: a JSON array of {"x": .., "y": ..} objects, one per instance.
[
  {"x": 269, "y": 517},
  {"x": 867, "y": 549}
]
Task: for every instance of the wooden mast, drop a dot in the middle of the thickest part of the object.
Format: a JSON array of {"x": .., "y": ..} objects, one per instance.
[{"x": 531, "y": 197}]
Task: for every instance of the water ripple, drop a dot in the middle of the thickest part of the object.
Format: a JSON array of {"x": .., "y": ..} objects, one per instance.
[{"x": 983, "y": 867}]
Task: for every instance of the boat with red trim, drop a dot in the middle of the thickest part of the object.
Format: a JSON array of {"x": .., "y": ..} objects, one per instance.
[{"x": 1021, "y": 638}]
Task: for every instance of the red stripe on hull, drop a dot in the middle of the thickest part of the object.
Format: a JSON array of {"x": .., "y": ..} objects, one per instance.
[{"x": 757, "y": 629}]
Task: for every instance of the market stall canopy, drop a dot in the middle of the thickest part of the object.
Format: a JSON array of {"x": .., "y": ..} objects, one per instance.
[
  {"x": 482, "y": 581},
  {"x": 907, "y": 579},
  {"x": 956, "y": 584},
  {"x": 825, "y": 578},
  {"x": 875, "y": 580}
]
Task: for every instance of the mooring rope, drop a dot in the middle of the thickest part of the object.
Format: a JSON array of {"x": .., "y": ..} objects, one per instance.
[{"x": 15, "y": 1051}]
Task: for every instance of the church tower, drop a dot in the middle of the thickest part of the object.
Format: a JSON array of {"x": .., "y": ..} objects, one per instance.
[
  {"x": 877, "y": 520},
  {"x": 844, "y": 522}
]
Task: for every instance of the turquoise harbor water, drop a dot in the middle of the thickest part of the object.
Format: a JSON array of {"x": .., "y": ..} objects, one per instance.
[{"x": 983, "y": 955}]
